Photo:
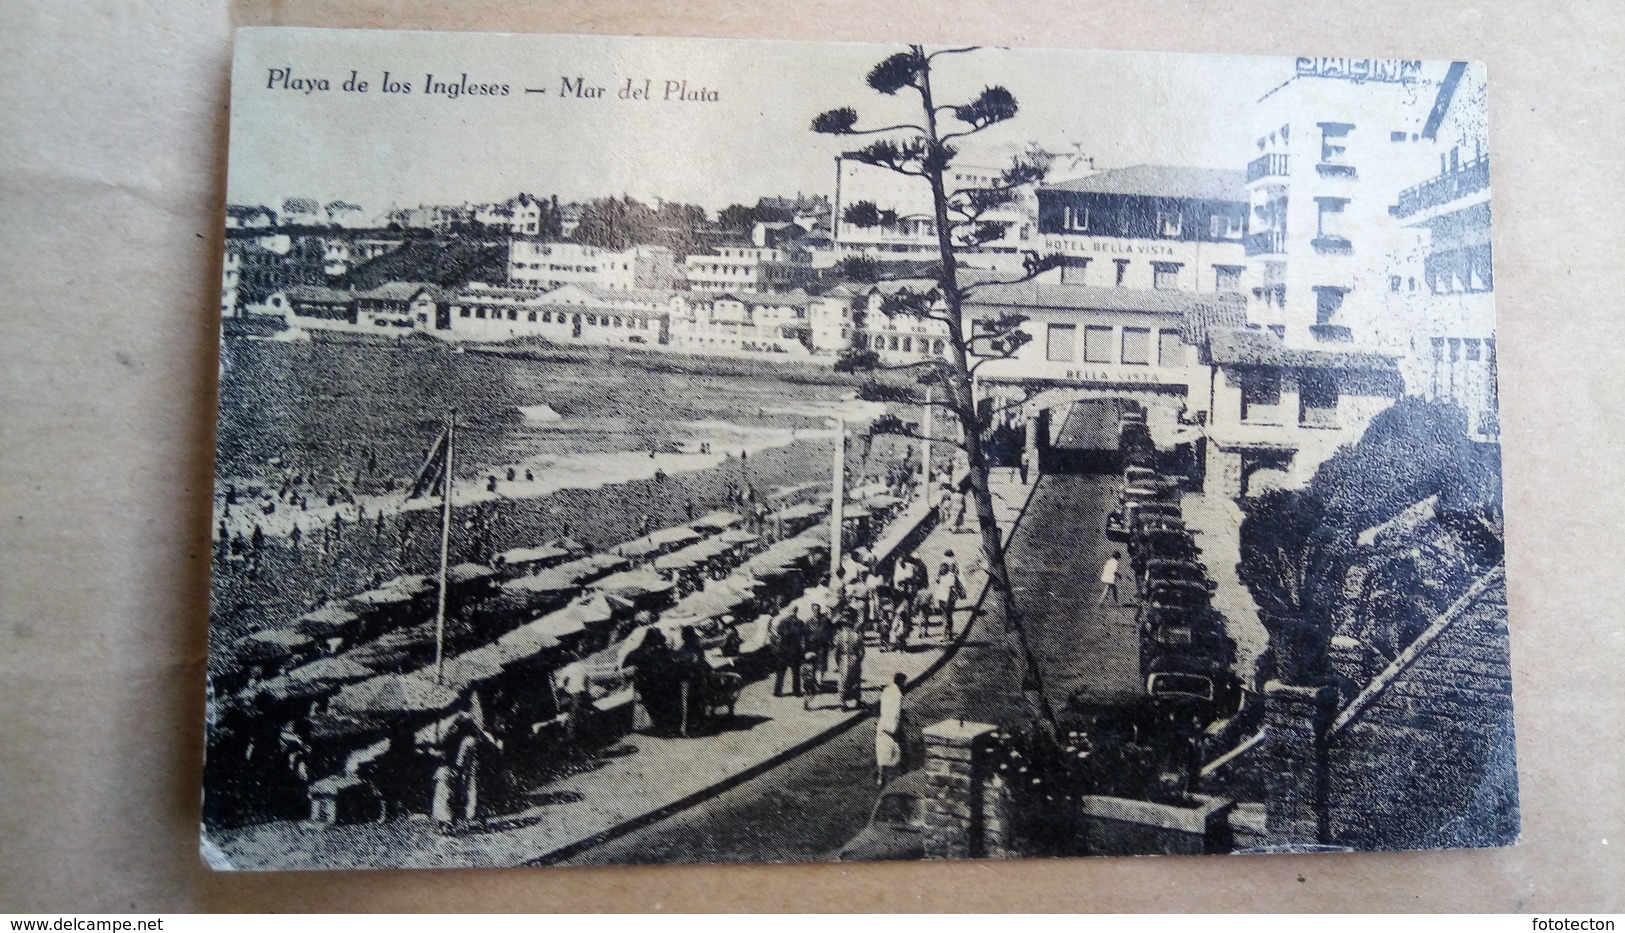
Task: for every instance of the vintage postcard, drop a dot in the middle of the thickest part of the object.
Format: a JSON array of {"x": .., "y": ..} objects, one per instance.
[{"x": 640, "y": 450}]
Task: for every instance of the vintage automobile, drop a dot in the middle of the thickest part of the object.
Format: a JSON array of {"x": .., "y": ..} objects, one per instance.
[
  {"x": 1193, "y": 684},
  {"x": 1134, "y": 501},
  {"x": 896, "y": 827},
  {"x": 1161, "y": 544},
  {"x": 1187, "y": 571},
  {"x": 1184, "y": 631}
]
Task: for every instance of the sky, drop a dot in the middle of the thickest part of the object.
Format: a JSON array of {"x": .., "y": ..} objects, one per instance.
[{"x": 404, "y": 148}]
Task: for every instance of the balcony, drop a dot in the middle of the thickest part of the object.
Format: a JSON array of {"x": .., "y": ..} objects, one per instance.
[
  {"x": 1332, "y": 245},
  {"x": 1265, "y": 243},
  {"x": 1470, "y": 178},
  {"x": 1331, "y": 333},
  {"x": 1269, "y": 165}
]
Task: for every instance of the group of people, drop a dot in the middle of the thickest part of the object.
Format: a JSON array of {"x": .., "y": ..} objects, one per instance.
[
  {"x": 673, "y": 683},
  {"x": 864, "y": 602}
]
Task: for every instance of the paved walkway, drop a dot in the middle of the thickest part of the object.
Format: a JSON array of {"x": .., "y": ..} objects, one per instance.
[{"x": 633, "y": 782}]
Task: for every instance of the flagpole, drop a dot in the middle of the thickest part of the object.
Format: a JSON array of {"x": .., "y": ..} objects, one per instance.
[
  {"x": 837, "y": 506},
  {"x": 445, "y": 551}
]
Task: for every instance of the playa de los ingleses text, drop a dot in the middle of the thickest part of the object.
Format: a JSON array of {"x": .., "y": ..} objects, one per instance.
[{"x": 462, "y": 85}]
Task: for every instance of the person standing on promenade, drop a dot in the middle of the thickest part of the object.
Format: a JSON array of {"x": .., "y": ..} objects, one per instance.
[
  {"x": 849, "y": 655},
  {"x": 786, "y": 638},
  {"x": 1108, "y": 580},
  {"x": 889, "y": 731},
  {"x": 820, "y": 638}
]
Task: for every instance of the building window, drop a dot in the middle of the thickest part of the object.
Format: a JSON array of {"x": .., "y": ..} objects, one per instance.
[
  {"x": 1334, "y": 139},
  {"x": 1168, "y": 223},
  {"x": 1170, "y": 349},
  {"x": 1122, "y": 270},
  {"x": 513, "y": 315},
  {"x": 1260, "y": 394},
  {"x": 1328, "y": 300},
  {"x": 1137, "y": 345},
  {"x": 1063, "y": 343},
  {"x": 936, "y": 347},
  {"x": 463, "y": 312},
  {"x": 1224, "y": 226},
  {"x": 892, "y": 343},
  {"x": 479, "y": 313},
  {"x": 1227, "y": 278},
  {"x": 908, "y": 344},
  {"x": 1165, "y": 275},
  {"x": 1317, "y": 398},
  {"x": 530, "y": 316},
  {"x": 1073, "y": 269},
  {"x": 1097, "y": 344},
  {"x": 1329, "y": 231}
]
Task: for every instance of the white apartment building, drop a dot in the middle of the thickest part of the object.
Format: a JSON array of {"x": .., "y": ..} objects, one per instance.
[{"x": 542, "y": 266}]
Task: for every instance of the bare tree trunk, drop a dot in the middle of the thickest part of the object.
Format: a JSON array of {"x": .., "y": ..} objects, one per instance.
[{"x": 962, "y": 399}]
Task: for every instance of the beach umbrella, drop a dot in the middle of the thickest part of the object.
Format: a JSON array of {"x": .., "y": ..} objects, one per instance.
[
  {"x": 737, "y": 536},
  {"x": 882, "y": 501},
  {"x": 715, "y": 600},
  {"x": 716, "y": 521},
  {"x": 328, "y": 620},
  {"x": 389, "y": 694},
  {"x": 639, "y": 548},
  {"x": 867, "y": 490}
]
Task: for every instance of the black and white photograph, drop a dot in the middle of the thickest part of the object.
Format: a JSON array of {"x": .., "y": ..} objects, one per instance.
[{"x": 654, "y": 450}]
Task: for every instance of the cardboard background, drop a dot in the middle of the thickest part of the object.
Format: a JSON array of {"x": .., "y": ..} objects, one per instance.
[{"x": 113, "y": 136}]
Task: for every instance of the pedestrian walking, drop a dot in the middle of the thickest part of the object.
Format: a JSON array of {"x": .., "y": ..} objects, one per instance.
[
  {"x": 1026, "y": 464},
  {"x": 960, "y": 504},
  {"x": 1108, "y": 580},
  {"x": 944, "y": 595},
  {"x": 889, "y": 731}
]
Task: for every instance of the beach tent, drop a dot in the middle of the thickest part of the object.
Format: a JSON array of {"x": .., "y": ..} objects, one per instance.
[
  {"x": 798, "y": 512},
  {"x": 881, "y": 501},
  {"x": 331, "y": 619},
  {"x": 468, "y": 572},
  {"x": 272, "y": 643},
  {"x": 716, "y": 521},
  {"x": 682, "y": 534},
  {"x": 693, "y": 555},
  {"x": 331, "y": 670},
  {"x": 389, "y": 694},
  {"x": 533, "y": 558},
  {"x": 632, "y": 584},
  {"x": 472, "y": 667},
  {"x": 722, "y": 598},
  {"x": 737, "y": 536}
]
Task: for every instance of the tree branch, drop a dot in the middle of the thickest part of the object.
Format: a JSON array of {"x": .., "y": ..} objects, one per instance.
[{"x": 954, "y": 51}]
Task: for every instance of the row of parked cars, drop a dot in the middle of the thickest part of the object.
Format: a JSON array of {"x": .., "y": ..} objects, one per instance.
[{"x": 1186, "y": 656}]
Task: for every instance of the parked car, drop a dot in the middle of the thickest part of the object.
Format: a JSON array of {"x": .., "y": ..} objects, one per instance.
[
  {"x": 1184, "y": 571},
  {"x": 896, "y": 828}
]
